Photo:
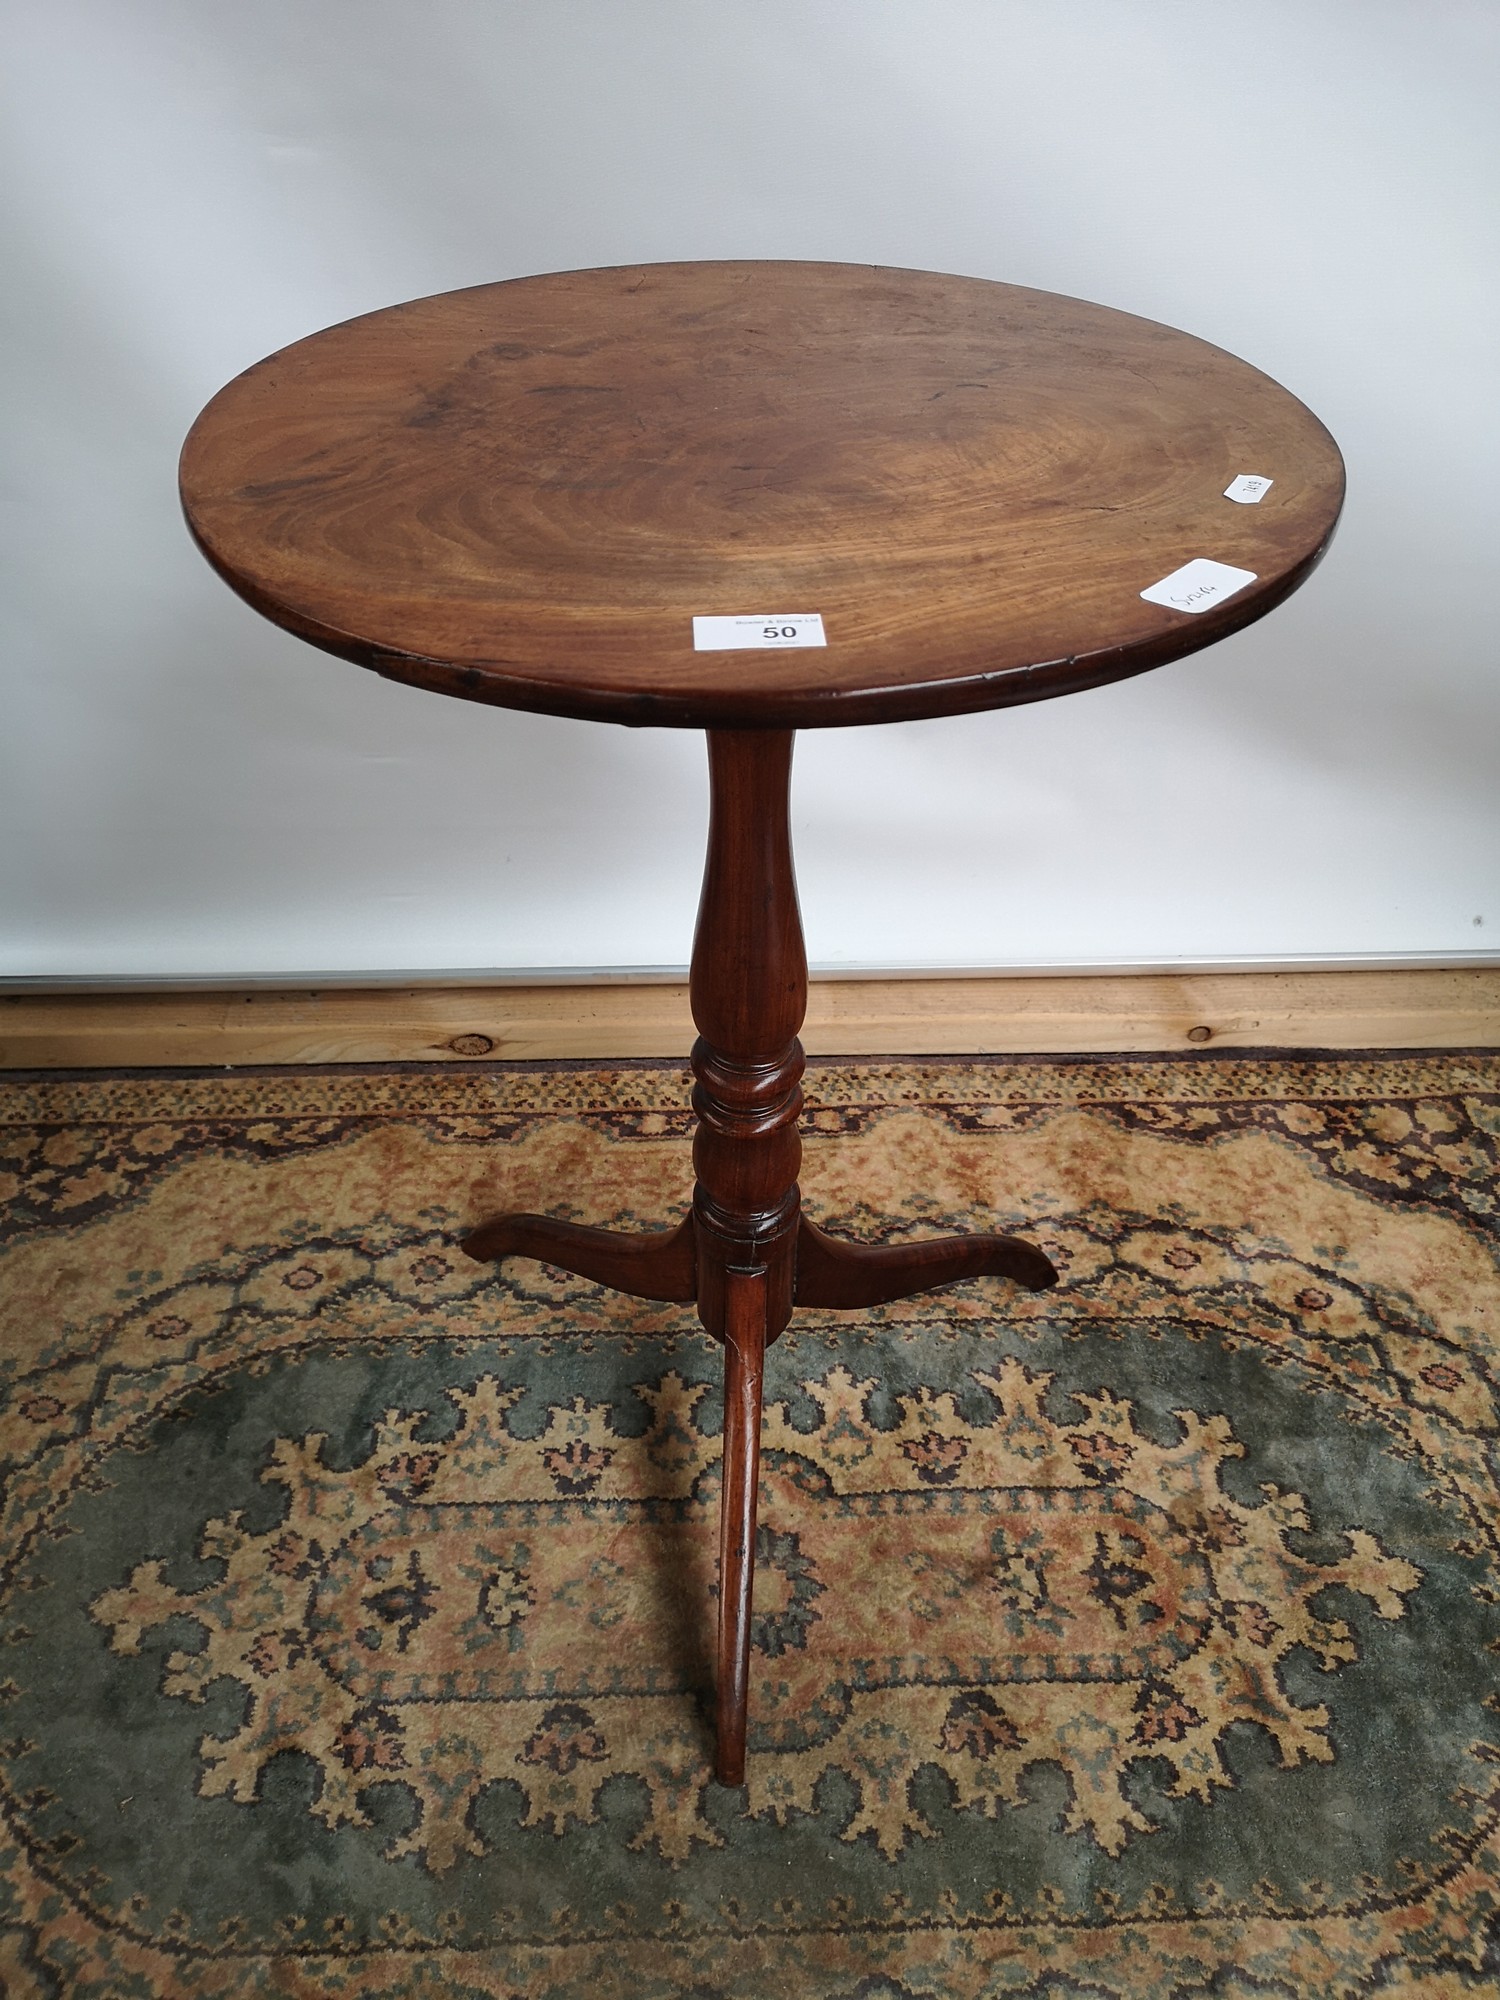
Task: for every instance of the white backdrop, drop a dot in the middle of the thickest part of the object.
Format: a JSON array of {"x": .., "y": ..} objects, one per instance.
[{"x": 1310, "y": 183}]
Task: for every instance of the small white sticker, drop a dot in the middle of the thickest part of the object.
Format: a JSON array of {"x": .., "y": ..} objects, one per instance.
[
  {"x": 1247, "y": 488},
  {"x": 779, "y": 628},
  {"x": 1198, "y": 585}
]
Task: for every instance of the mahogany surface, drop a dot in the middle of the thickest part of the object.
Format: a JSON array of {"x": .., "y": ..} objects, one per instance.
[{"x": 524, "y": 492}]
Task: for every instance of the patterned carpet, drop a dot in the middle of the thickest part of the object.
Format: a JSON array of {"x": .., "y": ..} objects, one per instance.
[{"x": 1133, "y": 1641}]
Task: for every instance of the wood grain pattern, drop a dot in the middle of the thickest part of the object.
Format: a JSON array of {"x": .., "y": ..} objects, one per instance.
[
  {"x": 524, "y": 492},
  {"x": 1100, "y": 1015}
]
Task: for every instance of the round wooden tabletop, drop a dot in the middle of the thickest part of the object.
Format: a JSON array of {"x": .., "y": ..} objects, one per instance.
[{"x": 526, "y": 493}]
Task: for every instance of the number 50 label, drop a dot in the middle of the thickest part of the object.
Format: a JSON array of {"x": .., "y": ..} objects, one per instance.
[{"x": 769, "y": 628}]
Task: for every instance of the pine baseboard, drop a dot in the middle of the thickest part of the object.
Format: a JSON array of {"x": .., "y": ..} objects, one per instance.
[{"x": 1419, "y": 1009}]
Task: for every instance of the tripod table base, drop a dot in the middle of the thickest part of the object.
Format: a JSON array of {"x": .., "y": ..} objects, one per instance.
[{"x": 745, "y": 1254}]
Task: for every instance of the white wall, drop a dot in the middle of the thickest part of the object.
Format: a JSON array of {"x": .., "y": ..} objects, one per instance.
[{"x": 1310, "y": 183}]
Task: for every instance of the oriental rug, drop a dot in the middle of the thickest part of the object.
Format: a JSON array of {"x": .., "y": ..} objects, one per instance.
[{"x": 1141, "y": 1638}]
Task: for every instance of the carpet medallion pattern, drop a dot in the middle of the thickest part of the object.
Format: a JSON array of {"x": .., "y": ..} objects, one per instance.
[{"x": 1141, "y": 1638}]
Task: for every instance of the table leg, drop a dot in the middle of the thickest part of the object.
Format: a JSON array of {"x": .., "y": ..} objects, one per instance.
[
  {"x": 749, "y": 990},
  {"x": 744, "y": 1368},
  {"x": 746, "y": 1254},
  {"x": 656, "y": 1264},
  {"x": 837, "y": 1273}
]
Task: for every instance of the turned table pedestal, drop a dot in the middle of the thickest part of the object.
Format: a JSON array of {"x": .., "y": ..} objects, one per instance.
[{"x": 752, "y": 498}]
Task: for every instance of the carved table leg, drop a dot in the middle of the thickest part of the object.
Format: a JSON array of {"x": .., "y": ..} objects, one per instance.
[
  {"x": 749, "y": 992},
  {"x": 744, "y": 1367},
  {"x": 657, "y": 1264},
  {"x": 746, "y": 1253},
  {"x": 832, "y": 1272}
]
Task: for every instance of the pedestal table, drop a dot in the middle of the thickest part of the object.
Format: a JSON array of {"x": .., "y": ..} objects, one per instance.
[{"x": 751, "y": 498}]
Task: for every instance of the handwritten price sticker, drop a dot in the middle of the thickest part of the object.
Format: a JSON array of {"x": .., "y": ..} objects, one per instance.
[
  {"x": 1198, "y": 585},
  {"x": 771, "y": 628},
  {"x": 1248, "y": 488}
]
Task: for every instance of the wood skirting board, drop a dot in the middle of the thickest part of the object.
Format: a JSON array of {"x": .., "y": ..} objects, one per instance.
[{"x": 1422, "y": 1009}]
